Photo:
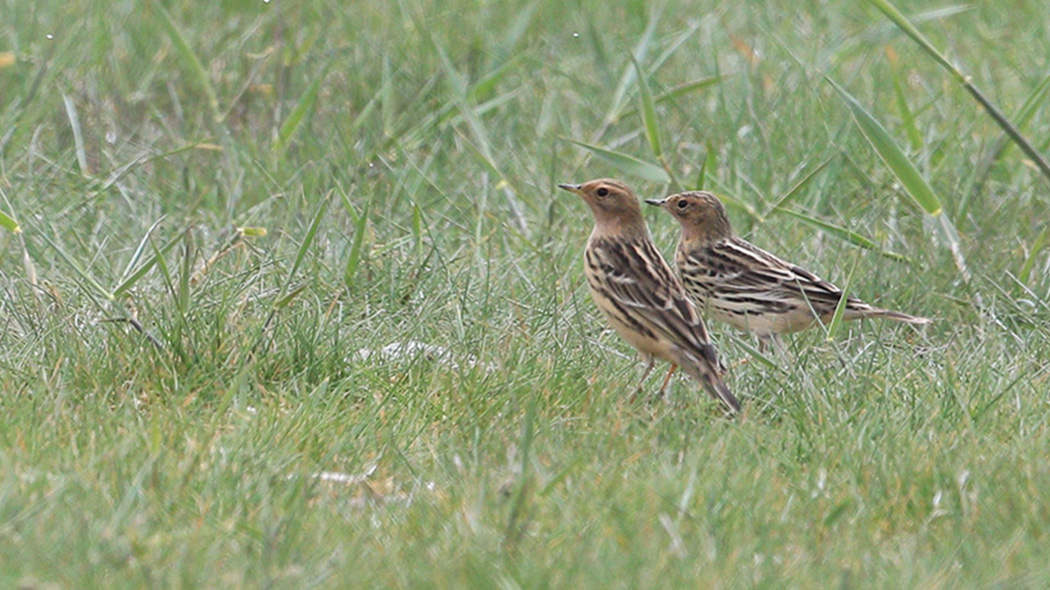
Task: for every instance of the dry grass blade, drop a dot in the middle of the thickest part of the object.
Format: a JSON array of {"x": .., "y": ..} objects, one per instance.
[{"x": 78, "y": 135}]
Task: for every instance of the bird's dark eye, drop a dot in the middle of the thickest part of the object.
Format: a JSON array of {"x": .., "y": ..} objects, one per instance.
[
  {"x": 682, "y": 204},
  {"x": 602, "y": 192}
]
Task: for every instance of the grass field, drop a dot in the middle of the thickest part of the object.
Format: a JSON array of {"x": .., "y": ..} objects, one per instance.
[{"x": 273, "y": 192}]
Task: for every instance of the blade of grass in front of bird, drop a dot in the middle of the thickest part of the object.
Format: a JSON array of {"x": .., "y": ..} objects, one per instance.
[
  {"x": 189, "y": 59},
  {"x": 627, "y": 164},
  {"x": 911, "y": 180},
  {"x": 840, "y": 309},
  {"x": 295, "y": 118},
  {"x": 845, "y": 234}
]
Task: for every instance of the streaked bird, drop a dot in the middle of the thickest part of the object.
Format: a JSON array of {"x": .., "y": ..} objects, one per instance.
[
  {"x": 747, "y": 287},
  {"x": 639, "y": 294}
]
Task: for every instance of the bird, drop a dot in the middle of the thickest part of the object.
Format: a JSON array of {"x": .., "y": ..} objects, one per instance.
[
  {"x": 638, "y": 293},
  {"x": 747, "y": 287}
]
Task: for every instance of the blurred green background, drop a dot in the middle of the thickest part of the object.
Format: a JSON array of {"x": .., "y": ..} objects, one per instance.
[{"x": 294, "y": 301}]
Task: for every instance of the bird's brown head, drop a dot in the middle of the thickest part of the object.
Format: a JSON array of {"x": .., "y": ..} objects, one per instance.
[
  {"x": 615, "y": 207},
  {"x": 701, "y": 214}
]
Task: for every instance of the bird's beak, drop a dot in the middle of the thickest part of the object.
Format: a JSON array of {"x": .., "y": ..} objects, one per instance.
[
  {"x": 656, "y": 202},
  {"x": 572, "y": 188}
]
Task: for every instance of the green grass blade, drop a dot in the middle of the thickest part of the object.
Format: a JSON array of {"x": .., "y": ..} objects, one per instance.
[
  {"x": 899, "y": 164},
  {"x": 687, "y": 87},
  {"x": 189, "y": 59},
  {"x": 354, "y": 258},
  {"x": 481, "y": 89},
  {"x": 627, "y": 164},
  {"x": 840, "y": 309},
  {"x": 138, "y": 251},
  {"x": 641, "y": 49},
  {"x": 909, "y": 29},
  {"x": 733, "y": 202},
  {"x": 652, "y": 124},
  {"x": 907, "y": 118},
  {"x": 796, "y": 190},
  {"x": 1033, "y": 102},
  {"x": 710, "y": 163},
  {"x": 905, "y": 25},
  {"x": 8, "y": 223},
  {"x": 1031, "y": 105},
  {"x": 680, "y": 91},
  {"x": 287, "y": 299},
  {"x": 297, "y": 116},
  {"x": 130, "y": 281},
  {"x": 844, "y": 234},
  {"x": 1033, "y": 254},
  {"x": 79, "y": 270},
  {"x": 308, "y": 239},
  {"x": 183, "y": 295}
]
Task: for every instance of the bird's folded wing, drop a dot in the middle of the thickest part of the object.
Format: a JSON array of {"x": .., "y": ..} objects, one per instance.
[
  {"x": 638, "y": 277},
  {"x": 743, "y": 267}
]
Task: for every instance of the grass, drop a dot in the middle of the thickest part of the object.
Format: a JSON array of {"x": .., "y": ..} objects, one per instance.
[{"x": 328, "y": 181}]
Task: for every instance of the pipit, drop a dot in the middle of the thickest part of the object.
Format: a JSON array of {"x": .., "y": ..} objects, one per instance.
[
  {"x": 639, "y": 294},
  {"x": 747, "y": 287}
]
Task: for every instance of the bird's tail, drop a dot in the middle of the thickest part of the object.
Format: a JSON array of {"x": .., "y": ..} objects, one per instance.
[
  {"x": 875, "y": 312},
  {"x": 705, "y": 369}
]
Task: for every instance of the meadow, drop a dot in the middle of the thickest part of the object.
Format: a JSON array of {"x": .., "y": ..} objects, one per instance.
[{"x": 289, "y": 297}]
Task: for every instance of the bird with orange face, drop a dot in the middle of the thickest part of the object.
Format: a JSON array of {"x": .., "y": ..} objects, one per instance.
[
  {"x": 639, "y": 294},
  {"x": 746, "y": 287}
]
